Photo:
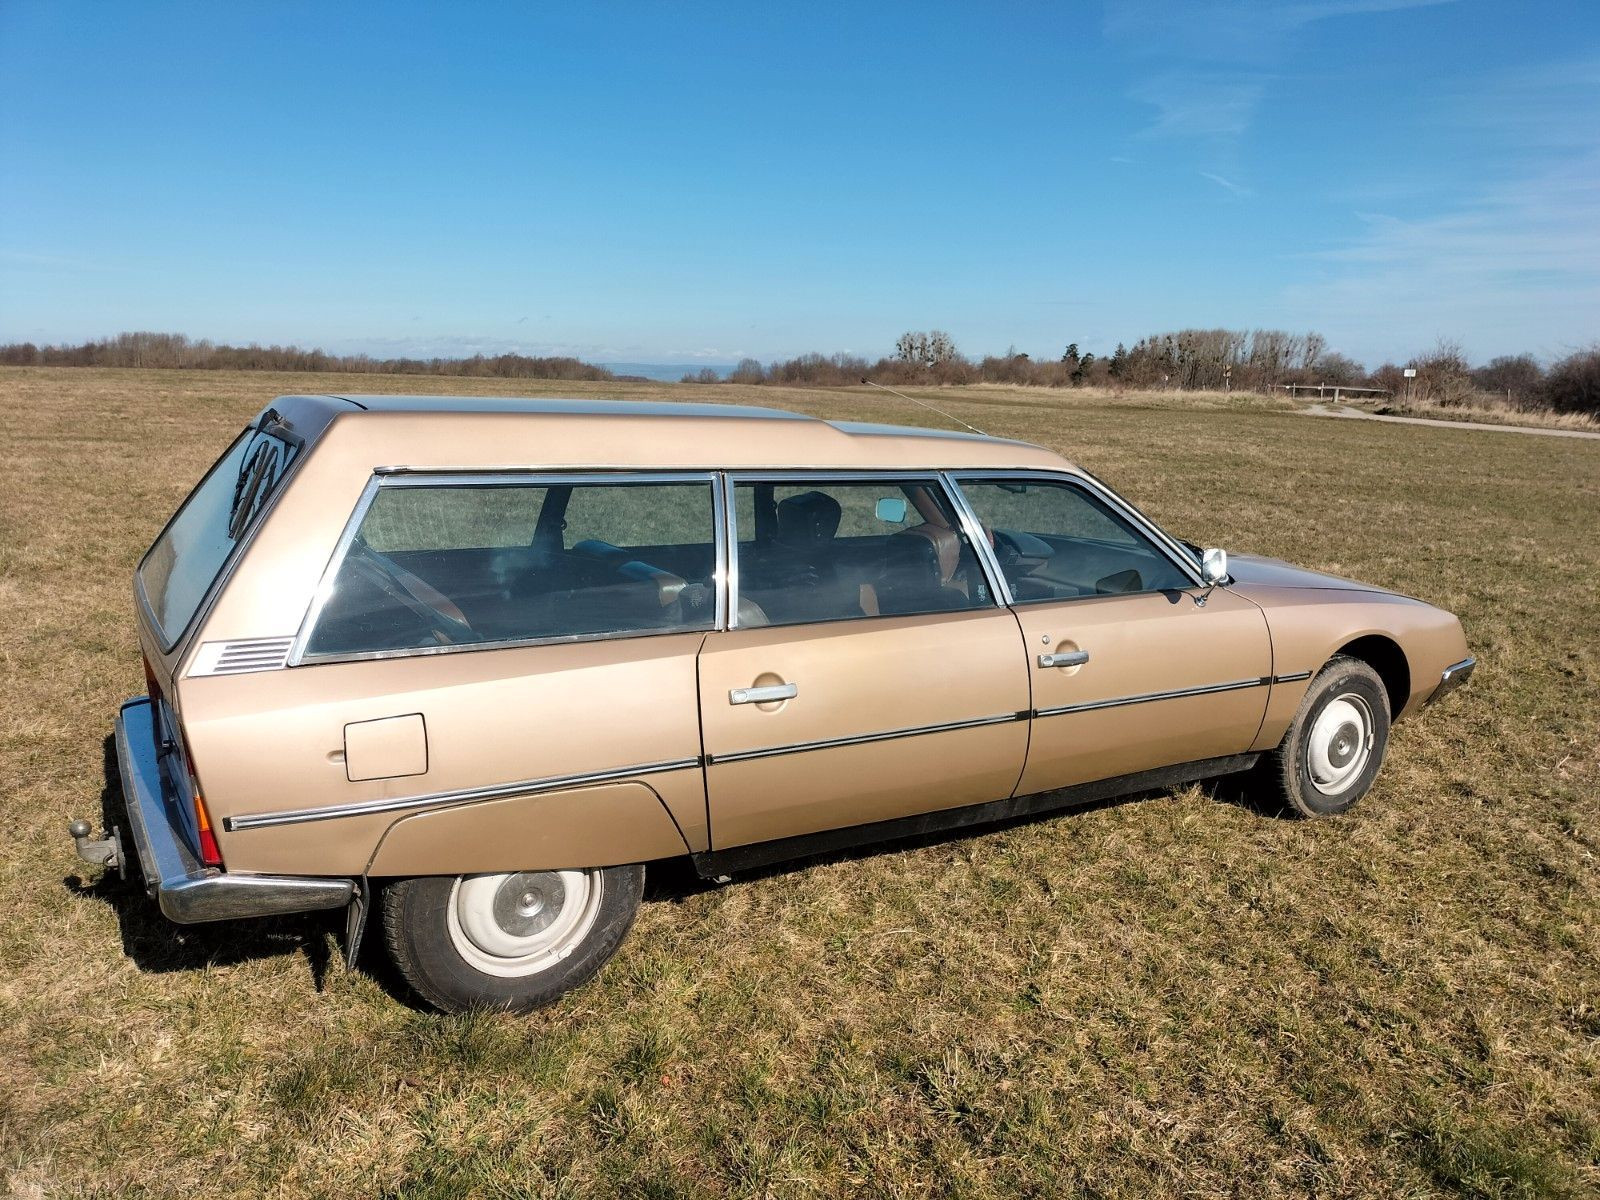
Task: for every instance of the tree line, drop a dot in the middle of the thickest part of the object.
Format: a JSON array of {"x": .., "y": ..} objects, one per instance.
[
  {"x": 1189, "y": 359},
  {"x": 1202, "y": 360},
  {"x": 175, "y": 351}
]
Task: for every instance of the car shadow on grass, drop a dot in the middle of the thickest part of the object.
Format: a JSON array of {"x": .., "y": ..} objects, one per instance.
[
  {"x": 158, "y": 945},
  {"x": 674, "y": 880}
]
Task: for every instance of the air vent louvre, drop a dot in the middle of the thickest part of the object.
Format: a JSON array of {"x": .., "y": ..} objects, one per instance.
[{"x": 236, "y": 658}]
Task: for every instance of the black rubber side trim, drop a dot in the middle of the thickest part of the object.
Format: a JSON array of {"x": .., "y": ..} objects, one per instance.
[{"x": 717, "y": 863}]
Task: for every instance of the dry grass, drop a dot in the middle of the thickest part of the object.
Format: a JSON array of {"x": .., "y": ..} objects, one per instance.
[{"x": 1176, "y": 997}]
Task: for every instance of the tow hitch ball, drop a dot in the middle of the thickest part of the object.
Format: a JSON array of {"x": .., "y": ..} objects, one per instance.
[{"x": 102, "y": 852}]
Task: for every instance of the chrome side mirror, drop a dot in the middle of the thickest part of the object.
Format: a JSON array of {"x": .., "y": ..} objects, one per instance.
[{"x": 1214, "y": 566}]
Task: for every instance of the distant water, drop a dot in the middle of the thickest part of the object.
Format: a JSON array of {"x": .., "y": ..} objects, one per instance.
[{"x": 671, "y": 372}]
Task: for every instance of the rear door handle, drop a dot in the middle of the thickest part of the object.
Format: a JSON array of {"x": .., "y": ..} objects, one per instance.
[
  {"x": 764, "y": 695},
  {"x": 1072, "y": 658}
]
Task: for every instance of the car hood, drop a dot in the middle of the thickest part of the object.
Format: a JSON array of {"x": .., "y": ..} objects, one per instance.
[{"x": 1274, "y": 572}]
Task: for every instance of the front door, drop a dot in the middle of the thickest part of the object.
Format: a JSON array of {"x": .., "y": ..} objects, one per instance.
[
  {"x": 870, "y": 675},
  {"x": 1130, "y": 670}
]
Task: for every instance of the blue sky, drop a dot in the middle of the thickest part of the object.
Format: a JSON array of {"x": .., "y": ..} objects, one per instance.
[{"x": 688, "y": 182}]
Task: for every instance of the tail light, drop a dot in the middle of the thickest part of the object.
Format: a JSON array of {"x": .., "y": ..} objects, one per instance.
[{"x": 210, "y": 855}]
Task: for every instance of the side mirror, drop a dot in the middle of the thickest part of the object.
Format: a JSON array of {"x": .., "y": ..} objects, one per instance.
[
  {"x": 891, "y": 509},
  {"x": 1214, "y": 566}
]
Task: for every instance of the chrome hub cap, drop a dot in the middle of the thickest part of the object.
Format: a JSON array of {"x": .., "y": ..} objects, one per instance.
[
  {"x": 523, "y": 923},
  {"x": 1340, "y": 743}
]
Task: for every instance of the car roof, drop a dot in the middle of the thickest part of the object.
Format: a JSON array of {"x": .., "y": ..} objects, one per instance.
[{"x": 482, "y": 432}]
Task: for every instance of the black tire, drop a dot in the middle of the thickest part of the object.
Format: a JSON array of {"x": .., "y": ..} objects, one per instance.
[
  {"x": 431, "y": 945},
  {"x": 1290, "y": 771}
]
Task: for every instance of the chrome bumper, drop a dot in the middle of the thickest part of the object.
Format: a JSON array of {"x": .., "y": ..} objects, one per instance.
[
  {"x": 1453, "y": 677},
  {"x": 188, "y": 891}
]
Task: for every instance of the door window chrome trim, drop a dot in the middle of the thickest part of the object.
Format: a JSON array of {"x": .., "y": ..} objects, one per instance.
[
  {"x": 389, "y": 477},
  {"x": 499, "y": 791},
  {"x": 999, "y": 587},
  {"x": 861, "y": 739},
  {"x": 936, "y": 477},
  {"x": 1087, "y": 483}
]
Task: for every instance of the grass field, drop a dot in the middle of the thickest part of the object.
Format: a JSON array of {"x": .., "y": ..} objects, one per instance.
[{"x": 1180, "y": 996}]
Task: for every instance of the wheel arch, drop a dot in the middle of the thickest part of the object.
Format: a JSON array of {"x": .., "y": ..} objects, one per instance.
[{"x": 1385, "y": 656}]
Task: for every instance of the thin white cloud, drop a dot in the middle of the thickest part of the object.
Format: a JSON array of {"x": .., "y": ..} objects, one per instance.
[
  {"x": 1237, "y": 45},
  {"x": 1221, "y": 181},
  {"x": 1514, "y": 268}
]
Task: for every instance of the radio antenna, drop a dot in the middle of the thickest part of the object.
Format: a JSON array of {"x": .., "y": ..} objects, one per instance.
[{"x": 925, "y": 404}]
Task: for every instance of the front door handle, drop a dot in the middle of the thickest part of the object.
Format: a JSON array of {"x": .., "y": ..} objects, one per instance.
[
  {"x": 764, "y": 695},
  {"x": 1072, "y": 658}
]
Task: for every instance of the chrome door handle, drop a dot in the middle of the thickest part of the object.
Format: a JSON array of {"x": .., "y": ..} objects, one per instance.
[
  {"x": 764, "y": 695},
  {"x": 1072, "y": 658}
]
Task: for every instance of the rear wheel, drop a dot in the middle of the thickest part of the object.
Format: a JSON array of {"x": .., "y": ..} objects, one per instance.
[
  {"x": 511, "y": 941},
  {"x": 1331, "y": 754}
]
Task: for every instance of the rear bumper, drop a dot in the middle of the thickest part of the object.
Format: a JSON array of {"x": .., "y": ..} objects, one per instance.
[
  {"x": 188, "y": 891},
  {"x": 1453, "y": 677}
]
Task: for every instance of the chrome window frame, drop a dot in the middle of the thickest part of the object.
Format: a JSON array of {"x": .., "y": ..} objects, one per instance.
[
  {"x": 1163, "y": 541},
  {"x": 390, "y": 477},
  {"x": 936, "y": 476}
]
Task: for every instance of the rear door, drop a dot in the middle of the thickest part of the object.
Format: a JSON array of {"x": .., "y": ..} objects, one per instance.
[
  {"x": 1134, "y": 666},
  {"x": 870, "y": 673}
]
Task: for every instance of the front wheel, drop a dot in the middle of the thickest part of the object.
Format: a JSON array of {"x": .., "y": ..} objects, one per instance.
[
  {"x": 1331, "y": 754},
  {"x": 509, "y": 941}
]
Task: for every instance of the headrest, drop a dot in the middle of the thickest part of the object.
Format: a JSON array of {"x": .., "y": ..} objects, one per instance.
[
  {"x": 946, "y": 546},
  {"x": 807, "y": 519}
]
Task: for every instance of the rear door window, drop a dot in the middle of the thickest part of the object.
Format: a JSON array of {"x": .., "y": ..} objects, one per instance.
[
  {"x": 840, "y": 550},
  {"x": 187, "y": 557},
  {"x": 437, "y": 564}
]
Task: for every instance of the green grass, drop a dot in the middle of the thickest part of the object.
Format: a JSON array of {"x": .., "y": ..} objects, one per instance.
[{"x": 1179, "y": 996}]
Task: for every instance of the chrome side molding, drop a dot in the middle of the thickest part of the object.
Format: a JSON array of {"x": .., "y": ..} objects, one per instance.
[{"x": 500, "y": 791}]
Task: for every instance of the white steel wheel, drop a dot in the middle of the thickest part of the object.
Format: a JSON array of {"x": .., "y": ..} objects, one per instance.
[
  {"x": 1339, "y": 743},
  {"x": 1335, "y": 744},
  {"x": 524, "y": 923}
]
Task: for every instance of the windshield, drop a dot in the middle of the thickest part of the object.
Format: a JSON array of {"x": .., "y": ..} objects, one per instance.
[{"x": 188, "y": 556}]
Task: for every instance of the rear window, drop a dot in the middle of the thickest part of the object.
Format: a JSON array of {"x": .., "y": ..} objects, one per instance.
[
  {"x": 440, "y": 565},
  {"x": 186, "y": 559}
]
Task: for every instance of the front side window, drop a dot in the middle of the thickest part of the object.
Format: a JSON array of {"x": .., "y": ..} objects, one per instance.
[
  {"x": 436, "y": 564},
  {"x": 835, "y": 551},
  {"x": 1057, "y": 541},
  {"x": 186, "y": 559}
]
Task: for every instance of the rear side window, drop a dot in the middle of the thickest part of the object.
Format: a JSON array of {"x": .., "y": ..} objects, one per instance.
[
  {"x": 440, "y": 564},
  {"x": 186, "y": 559},
  {"x": 824, "y": 550}
]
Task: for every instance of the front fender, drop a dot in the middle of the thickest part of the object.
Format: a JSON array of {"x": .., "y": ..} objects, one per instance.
[{"x": 1310, "y": 625}]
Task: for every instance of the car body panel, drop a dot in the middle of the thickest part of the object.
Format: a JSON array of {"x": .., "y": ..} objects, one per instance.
[
  {"x": 875, "y": 677},
  {"x": 271, "y": 743},
  {"x": 603, "y": 826},
  {"x": 1139, "y": 647}
]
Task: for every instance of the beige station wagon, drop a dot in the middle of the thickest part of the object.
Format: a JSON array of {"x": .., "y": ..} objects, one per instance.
[{"x": 475, "y": 661}]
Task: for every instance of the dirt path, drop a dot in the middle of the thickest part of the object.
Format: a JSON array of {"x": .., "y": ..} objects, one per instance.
[{"x": 1324, "y": 410}]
